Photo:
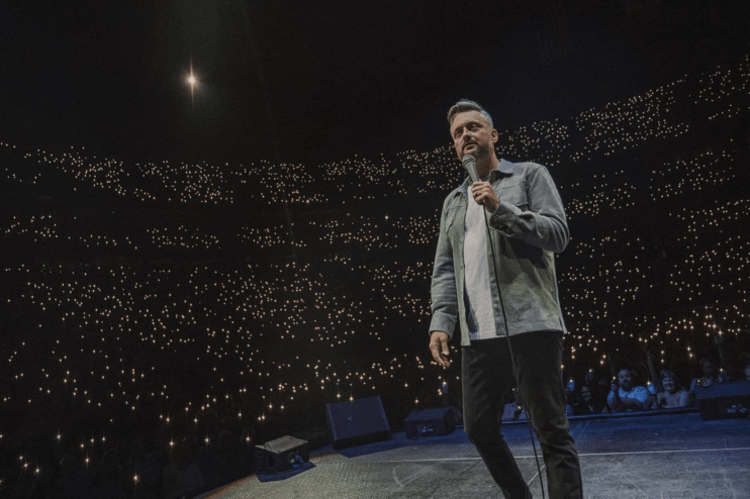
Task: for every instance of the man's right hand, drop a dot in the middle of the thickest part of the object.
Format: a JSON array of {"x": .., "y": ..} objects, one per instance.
[{"x": 439, "y": 348}]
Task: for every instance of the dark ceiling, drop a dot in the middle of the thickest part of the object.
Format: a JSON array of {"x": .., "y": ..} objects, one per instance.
[{"x": 324, "y": 80}]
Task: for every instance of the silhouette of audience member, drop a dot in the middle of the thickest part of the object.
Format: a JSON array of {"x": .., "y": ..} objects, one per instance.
[
  {"x": 513, "y": 411},
  {"x": 183, "y": 476},
  {"x": 573, "y": 398},
  {"x": 599, "y": 386},
  {"x": 623, "y": 396},
  {"x": 146, "y": 467},
  {"x": 107, "y": 478},
  {"x": 74, "y": 481},
  {"x": 743, "y": 361},
  {"x": 710, "y": 376},
  {"x": 673, "y": 395},
  {"x": 590, "y": 402},
  {"x": 747, "y": 373}
]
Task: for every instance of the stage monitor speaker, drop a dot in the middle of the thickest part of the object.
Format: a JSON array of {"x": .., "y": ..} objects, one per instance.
[
  {"x": 724, "y": 400},
  {"x": 357, "y": 422},
  {"x": 428, "y": 422},
  {"x": 281, "y": 454}
]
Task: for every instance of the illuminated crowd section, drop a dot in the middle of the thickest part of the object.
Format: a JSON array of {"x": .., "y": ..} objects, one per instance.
[{"x": 167, "y": 293}]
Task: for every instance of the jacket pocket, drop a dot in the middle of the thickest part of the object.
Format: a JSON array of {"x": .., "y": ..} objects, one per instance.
[
  {"x": 514, "y": 194},
  {"x": 449, "y": 214},
  {"x": 450, "y": 217}
]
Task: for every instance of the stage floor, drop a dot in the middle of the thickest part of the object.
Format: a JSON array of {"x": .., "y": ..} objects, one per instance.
[{"x": 673, "y": 456}]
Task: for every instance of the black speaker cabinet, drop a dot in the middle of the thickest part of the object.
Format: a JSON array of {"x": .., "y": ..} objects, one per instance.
[
  {"x": 357, "y": 422},
  {"x": 281, "y": 454},
  {"x": 428, "y": 422},
  {"x": 724, "y": 400}
]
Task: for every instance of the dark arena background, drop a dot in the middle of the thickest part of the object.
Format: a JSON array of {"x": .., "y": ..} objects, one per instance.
[{"x": 190, "y": 270}]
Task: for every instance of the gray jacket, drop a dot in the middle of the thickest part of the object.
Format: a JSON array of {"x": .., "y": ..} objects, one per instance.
[{"x": 528, "y": 226}]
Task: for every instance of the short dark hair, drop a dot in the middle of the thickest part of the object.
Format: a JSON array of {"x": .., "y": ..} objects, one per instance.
[
  {"x": 705, "y": 360},
  {"x": 468, "y": 105}
]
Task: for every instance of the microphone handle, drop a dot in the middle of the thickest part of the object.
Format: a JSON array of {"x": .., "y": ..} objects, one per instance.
[
  {"x": 471, "y": 168},
  {"x": 470, "y": 165}
]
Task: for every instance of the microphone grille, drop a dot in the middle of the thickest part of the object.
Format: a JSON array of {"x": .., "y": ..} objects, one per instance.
[{"x": 468, "y": 159}]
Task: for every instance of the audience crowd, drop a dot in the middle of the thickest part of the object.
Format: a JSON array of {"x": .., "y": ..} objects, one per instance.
[{"x": 159, "y": 320}]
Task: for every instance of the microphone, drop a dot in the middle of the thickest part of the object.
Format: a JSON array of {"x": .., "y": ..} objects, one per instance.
[{"x": 470, "y": 164}]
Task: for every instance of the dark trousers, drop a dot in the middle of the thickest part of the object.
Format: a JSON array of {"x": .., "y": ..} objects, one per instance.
[{"x": 487, "y": 376}]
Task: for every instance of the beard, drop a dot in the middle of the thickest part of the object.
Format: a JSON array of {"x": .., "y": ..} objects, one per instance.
[{"x": 481, "y": 151}]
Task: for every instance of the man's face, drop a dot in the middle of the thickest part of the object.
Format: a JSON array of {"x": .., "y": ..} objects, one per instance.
[
  {"x": 472, "y": 135},
  {"x": 669, "y": 384},
  {"x": 708, "y": 369},
  {"x": 586, "y": 394},
  {"x": 625, "y": 379}
]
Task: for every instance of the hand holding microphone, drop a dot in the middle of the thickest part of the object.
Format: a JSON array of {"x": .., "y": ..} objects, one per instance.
[{"x": 482, "y": 192}]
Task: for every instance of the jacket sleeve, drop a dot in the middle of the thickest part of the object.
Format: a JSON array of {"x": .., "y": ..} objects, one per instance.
[
  {"x": 443, "y": 290},
  {"x": 640, "y": 393},
  {"x": 543, "y": 224}
]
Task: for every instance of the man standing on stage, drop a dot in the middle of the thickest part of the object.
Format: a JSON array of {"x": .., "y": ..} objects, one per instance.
[{"x": 502, "y": 292}]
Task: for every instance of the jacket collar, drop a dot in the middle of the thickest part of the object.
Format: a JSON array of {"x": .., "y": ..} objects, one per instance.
[{"x": 505, "y": 168}]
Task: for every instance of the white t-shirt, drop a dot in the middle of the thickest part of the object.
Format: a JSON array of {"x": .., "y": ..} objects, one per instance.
[{"x": 477, "y": 274}]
